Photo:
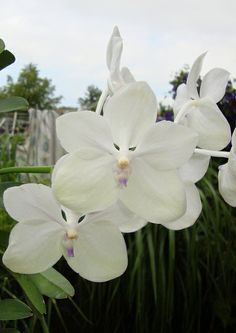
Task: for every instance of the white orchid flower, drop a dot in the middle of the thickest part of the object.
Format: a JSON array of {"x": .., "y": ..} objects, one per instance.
[
  {"x": 123, "y": 155},
  {"x": 199, "y": 111},
  {"x": 227, "y": 176},
  {"x": 118, "y": 77},
  {"x": 94, "y": 248}
]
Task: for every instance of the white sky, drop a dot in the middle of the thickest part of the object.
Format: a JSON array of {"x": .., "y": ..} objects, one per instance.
[{"x": 67, "y": 39}]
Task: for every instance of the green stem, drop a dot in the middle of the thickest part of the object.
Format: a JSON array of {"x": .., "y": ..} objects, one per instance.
[
  {"x": 171, "y": 268},
  {"x": 26, "y": 169},
  {"x": 43, "y": 324},
  {"x": 32, "y": 323}
]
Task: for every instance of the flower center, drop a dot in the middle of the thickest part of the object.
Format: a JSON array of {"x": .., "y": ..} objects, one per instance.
[
  {"x": 122, "y": 171},
  {"x": 123, "y": 163},
  {"x": 70, "y": 236}
]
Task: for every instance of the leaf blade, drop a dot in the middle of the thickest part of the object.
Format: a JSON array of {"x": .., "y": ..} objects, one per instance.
[
  {"x": 53, "y": 284},
  {"x": 6, "y": 59},
  {"x": 31, "y": 292},
  {"x": 2, "y": 45},
  {"x": 13, "y": 103},
  {"x": 13, "y": 309}
]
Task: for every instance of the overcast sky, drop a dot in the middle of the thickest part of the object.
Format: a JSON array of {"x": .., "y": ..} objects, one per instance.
[{"x": 67, "y": 39}]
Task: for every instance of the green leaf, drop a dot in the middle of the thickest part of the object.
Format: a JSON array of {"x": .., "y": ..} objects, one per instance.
[
  {"x": 53, "y": 284},
  {"x": 13, "y": 104},
  {"x": 6, "y": 59},
  {"x": 31, "y": 291},
  {"x": 2, "y": 45},
  {"x": 3, "y": 187},
  {"x": 13, "y": 309},
  {"x": 10, "y": 330}
]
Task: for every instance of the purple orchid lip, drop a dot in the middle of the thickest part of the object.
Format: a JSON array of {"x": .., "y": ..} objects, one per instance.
[
  {"x": 70, "y": 252},
  {"x": 123, "y": 181}
]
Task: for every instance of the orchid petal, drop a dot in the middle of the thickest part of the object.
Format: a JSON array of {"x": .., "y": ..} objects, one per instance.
[
  {"x": 194, "y": 75},
  {"x": 167, "y": 145},
  {"x": 121, "y": 216},
  {"x": 233, "y": 140},
  {"x": 32, "y": 202},
  {"x": 227, "y": 184},
  {"x": 194, "y": 208},
  {"x": 85, "y": 182},
  {"x": 227, "y": 179},
  {"x": 127, "y": 75},
  {"x": 195, "y": 168},
  {"x": 84, "y": 129},
  {"x": 130, "y": 112},
  {"x": 181, "y": 98},
  {"x": 34, "y": 246},
  {"x": 99, "y": 251},
  {"x": 214, "y": 84},
  {"x": 210, "y": 124},
  {"x": 114, "y": 50},
  {"x": 154, "y": 194}
]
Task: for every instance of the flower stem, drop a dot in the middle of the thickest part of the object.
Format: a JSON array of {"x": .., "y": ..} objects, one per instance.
[
  {"x": 213, "y": 153},
  {"x": 43, "y": 324},
  {"x": 101, "y": 101},
  {"x": 26, "y": 169}
]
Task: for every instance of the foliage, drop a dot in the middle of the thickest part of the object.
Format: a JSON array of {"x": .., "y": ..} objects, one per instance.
[
  {"x": 38, "y": 91},
  {"x": 90, "y": 100},
  {"x": 8, "y": 148}
]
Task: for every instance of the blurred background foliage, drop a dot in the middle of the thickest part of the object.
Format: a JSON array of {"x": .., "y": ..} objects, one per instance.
[
  {"x": 38, "y": 91},
  {"x": 89, "y": 101},
  {"x": 182, "y": 281}
]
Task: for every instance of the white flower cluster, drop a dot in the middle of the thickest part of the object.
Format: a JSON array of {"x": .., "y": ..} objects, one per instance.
[{"x": 122, "y": 170}]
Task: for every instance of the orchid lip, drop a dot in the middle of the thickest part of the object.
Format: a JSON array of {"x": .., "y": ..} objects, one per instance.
[
  {"x": 123, "y": 182},
  {"x": 70, "y": 252},
  {"x": 70, "y": 236},
  {"x": 122, "y": 172}
]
